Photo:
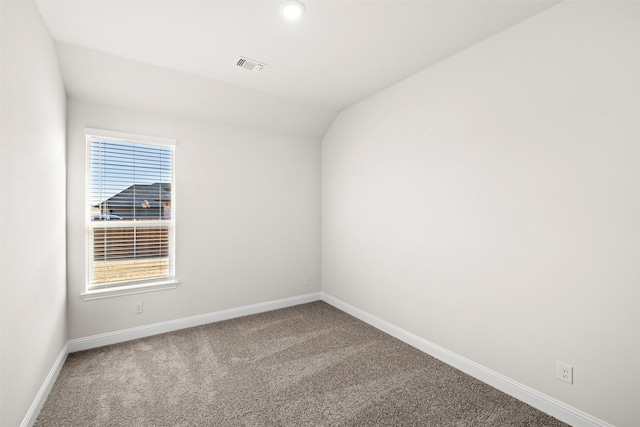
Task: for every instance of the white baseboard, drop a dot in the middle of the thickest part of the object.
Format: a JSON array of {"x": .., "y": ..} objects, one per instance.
[
  {"x": 538, "y": 400},
  {"x": 145, "y": 331},
  {"x": 45, "y": 389},
  {"x": 541, "y": 401},
  {"x": 186, "y": 322}
]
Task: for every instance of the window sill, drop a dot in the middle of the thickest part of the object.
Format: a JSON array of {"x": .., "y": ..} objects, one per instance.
[{"x": 129, "y": 290}]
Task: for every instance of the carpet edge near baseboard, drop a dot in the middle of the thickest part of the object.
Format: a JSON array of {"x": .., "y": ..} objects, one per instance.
[
  {"x": 45, "y": 389},
  {"x": 534, "y": 398},
  {"x": 101, "y": 340},
  {"x": 115, "y": 337}
]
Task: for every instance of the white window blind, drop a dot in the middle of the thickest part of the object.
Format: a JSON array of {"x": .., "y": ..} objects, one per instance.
[{"x": 131, "y": 203}]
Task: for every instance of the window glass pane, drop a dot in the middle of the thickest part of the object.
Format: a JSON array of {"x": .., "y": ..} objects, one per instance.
[
  {"x": 129, "y": 180},
  {"x": 130, "y": 253},
  {"x": 130, "y": 231}
]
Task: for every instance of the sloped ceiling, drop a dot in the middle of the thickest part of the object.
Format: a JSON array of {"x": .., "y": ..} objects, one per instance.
[{"x": 179, "y": 56}]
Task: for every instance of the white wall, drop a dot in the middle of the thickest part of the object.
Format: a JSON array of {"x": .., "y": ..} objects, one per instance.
[
  {"x": 491, "y": 205},
  {"x": 33, "y": 327},
  {"x": 132, "y": 84},
  {"x": 247, "y": 218}
]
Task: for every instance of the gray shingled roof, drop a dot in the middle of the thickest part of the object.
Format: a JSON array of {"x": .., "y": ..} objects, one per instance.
[{"x": 135, "y": 195}]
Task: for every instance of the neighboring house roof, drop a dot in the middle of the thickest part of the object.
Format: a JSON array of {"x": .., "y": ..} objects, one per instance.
[{"x": 151, "y": 196}]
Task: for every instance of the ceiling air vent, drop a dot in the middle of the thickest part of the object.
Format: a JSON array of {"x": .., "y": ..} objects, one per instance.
[{"x": 249, "y": 64}]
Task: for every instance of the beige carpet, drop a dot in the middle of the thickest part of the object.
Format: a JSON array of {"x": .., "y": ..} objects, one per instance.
[{"x": 309, "y": 365}]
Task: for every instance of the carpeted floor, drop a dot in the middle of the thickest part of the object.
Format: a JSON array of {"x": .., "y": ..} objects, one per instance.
[{"x": 309, "y": 365}]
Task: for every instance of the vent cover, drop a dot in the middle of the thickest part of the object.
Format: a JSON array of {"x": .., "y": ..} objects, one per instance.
[{"x": 249, "y": 64}]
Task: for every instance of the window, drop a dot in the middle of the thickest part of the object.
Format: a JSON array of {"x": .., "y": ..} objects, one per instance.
[{"x": 130, "y": 210}]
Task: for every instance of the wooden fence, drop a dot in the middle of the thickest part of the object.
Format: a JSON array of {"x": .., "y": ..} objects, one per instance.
[{"x": 121, "y": 243}]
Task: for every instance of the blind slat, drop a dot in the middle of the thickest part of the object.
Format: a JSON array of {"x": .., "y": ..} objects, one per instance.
[{"x": 133, "y": 183}]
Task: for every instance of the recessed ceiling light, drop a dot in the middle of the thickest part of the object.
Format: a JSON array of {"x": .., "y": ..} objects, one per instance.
[{"x": 292, "y": 9}]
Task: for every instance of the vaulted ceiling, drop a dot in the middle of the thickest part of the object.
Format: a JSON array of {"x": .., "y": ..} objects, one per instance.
[{"x": 180, "y": 56}]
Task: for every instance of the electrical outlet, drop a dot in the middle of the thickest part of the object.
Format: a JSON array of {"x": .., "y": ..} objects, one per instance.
[
  {"x": 137, "y": 307},
  {"x": 307, "y": 280},
  {"x": 564, "y": 372}
]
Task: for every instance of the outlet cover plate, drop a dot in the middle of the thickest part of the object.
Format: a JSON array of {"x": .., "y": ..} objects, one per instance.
[{"x": 564, "y": 372}]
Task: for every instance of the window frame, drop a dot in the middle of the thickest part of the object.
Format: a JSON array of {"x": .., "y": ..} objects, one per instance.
[{"x": 137, "y": 285}]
